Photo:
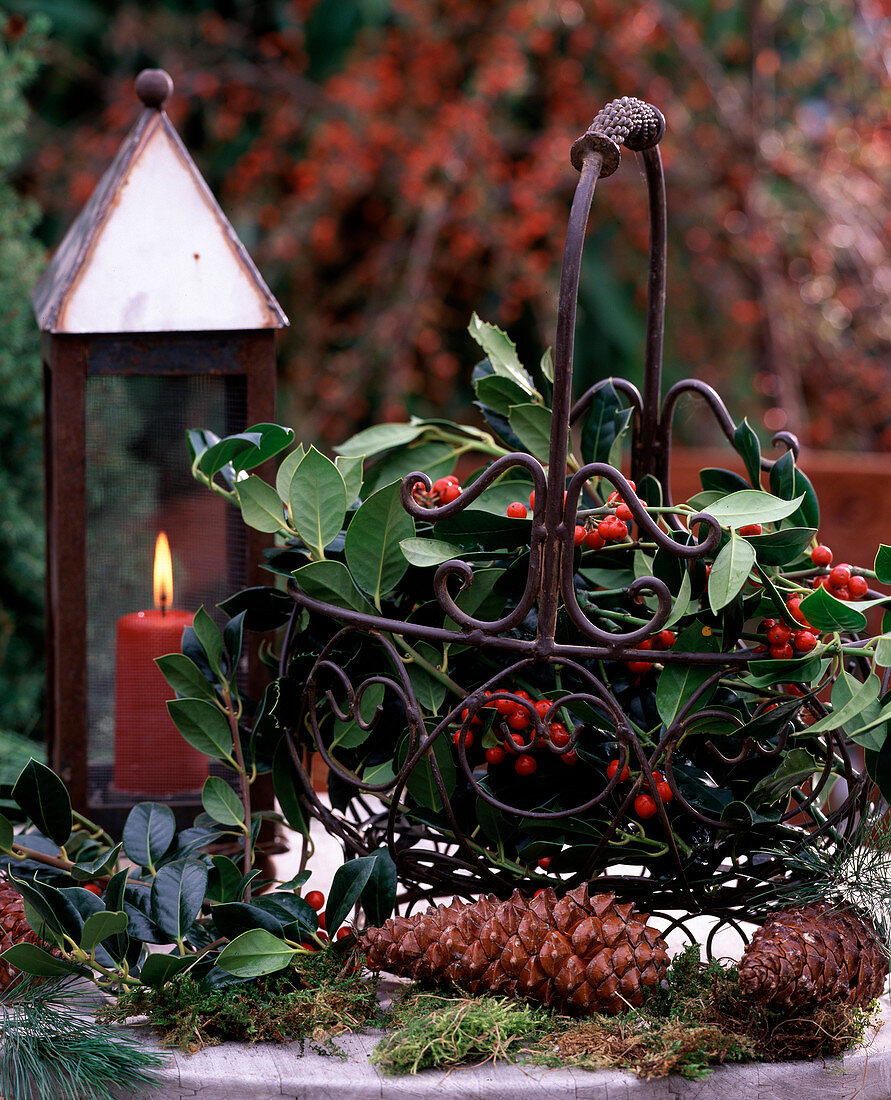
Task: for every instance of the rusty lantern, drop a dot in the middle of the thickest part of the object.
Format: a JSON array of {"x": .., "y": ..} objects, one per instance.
[{"x": 153, "y": 319}]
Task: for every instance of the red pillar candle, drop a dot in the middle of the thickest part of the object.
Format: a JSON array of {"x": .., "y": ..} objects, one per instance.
[{"x": 150, "y": 755}]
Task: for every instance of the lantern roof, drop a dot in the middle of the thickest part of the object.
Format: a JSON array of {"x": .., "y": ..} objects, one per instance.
[{"x": 152, "y": 251}]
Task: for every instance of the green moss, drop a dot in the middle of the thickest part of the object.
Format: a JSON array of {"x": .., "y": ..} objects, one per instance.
[
  {"x": 697, "y": 1019},
  {"x": 316, "y": 998}
]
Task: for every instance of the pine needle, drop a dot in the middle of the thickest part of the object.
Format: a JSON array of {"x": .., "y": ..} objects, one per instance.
[{"x": 48, "y": 1052}]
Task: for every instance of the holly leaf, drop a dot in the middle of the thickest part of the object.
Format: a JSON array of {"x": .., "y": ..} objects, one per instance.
[
  {"x": 678, "y": 682},
  {"x": 730, "y": 571}
]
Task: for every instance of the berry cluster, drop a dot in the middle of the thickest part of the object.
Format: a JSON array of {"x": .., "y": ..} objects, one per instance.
[
  {"x": 315, "y": 899},
  {"x": 594, "y": 533},
  {"x": 644, "y": 804},
  {"x": 443, "y": 491},
  {"x": 514, "y": 723},
  {"x": 665, "y": 639},
  {"x": 840, "y": 581}
]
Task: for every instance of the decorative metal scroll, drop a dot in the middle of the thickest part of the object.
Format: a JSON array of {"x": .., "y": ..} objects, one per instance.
[{"x": 436, "y": 850}]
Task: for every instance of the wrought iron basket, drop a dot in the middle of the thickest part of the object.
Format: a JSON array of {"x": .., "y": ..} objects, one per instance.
[{"x": 702, "y": 861}]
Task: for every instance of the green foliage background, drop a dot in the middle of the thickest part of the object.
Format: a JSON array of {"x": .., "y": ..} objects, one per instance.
[{"x": 21, "y": 485}]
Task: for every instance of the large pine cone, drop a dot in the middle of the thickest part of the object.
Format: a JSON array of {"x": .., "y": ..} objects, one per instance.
[
  {"x": 579, "y": 954},
  {"x": 811, "y": 955},
  {"x": 14, "y": 928}
]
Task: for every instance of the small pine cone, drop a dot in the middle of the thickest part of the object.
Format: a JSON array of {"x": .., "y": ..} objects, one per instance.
[
  {"x": 578, "y": 954},
  {"x": 811, "y": 955},
  {"x": 14, "y": 928}
]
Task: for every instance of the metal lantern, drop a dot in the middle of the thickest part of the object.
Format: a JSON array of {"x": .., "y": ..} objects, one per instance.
[{"x": 154, "y": 320}]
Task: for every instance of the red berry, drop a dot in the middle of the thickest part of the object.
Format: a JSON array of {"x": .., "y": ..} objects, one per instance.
[
  {"x": 93, "y": 888},
  {"x": 579, "y": 536},
  {"x": 449, "y": 493},
  {"x": 460, "y": 736},
  {"x": 664, "y": 791},
  {"x": 558, "y": 734},
  {"x": 322, "y": 934},
  {"x": 505, "y": 706},
  {"x": 767, "y": 624},
  {"x": 821, "y": 555},
  {"x": 644, "y": 806},
  {"x": 639, "y": 667},
  {"x": 750, "y": 529},
  {"x": 495, "y": 755},
  {"x": 782, "y": 652},
  {"x": 665, "y": 639},
  {"x": 342, "y": 933},
  {"x": 843, "y": 593},
  {"x": 804, "y": 641},
  {"x": 542, "y": 706},
  {"x": 525, "y": 764},
  {"x": 792, "y": 606},
  {"x": 322, "y": 924},
  {"x": 570, "y": 757},
  {"x": 452, "y": 479},
  {"x": 544, "y": 863},
  {"x": 779, "y": 634},
  {"x": 594, "y": 540},
  {"x": 613, "y": 767},
  {"x": 532, "y": 499},
  {"x": 475, "y": 720},
  {"x": 517, "y": 510},
  {"x": 316, "y": 900},
  {"x": 858, "y": 587},
  {"x": 839, "y": 575},
  {"x": 519, "y": 720},
  {"x": 623, "y": 512}
]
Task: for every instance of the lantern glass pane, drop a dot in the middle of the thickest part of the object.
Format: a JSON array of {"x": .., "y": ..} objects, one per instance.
[{"x": 139, "y": 484}]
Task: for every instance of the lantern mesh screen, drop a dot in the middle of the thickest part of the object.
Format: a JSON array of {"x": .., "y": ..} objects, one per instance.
[{"x": 138, "y": 484}]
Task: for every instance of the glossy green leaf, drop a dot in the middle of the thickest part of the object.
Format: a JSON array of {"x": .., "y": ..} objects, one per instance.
[
  {"x": 421, "y": 783},
  {"x": 232, "y": 919},
  {"x": 883, "y": 651},
  {"x": 878, "y": 765},
  {"x": 208, "y": 634},
  {"x": 501, "y": 352},
  {"x": 184, "y": 676},
  {"x": 372, "y": 550},
  {"x": 883, "y": 564},
  {"x": 44, "y": 798},
  {"x": 378, "y": 897},
  {"x": 255, "y": 953},
  {"x": 825, "y": 612},
  {"x": 103, "y": 864},
  {"x": 532, "y": 426},
  {"x": 273, "y": 440},
  {"x": 261, "y": 506},
  {"x": 751, "y": 506},
  {"x": 787, "y": 481},
  {"x": 221, "y": 802},
  {"x": 32, "y": 959},
  {"x": 203, "y": 725},
  {"x": 605, "y": 422},
  {"x": 286, "y": 471},
  {"x": 351, "y": 470},
  {"x": 224, "y": 879},
  {"x": 748, "y": 445},
  {"x": 158, "y": 969},
  {"x": 796, "y": 768},
  {"x": 223, "y": 451},
  {"x": 331, "y": 582},
  {"x": 679, "y": 682},
  {"x": 430, "y": 691},
  {"x": 349, "y": 734},
  {"x": 346, "y": 887},
  {"x": 177, "y": 895},
  {"x": 382, "y": 437},
  {"x": 781, "y": 547},
  {"x": 432, "y": 457},
  {"x": 801, "y": 670},
  {"x": 500, "y": 393},
  {"x": 100, "y": 926},
  {"x": 7, "y": 834},
  {"x": 428, "y": 552},
  {"x": 317, "y": 499},
  {"x": 714, "y": 479},
  {"x": 148, "y": 833},
  {"x": 849, "y": 698},
  {"x": 730, "y": 571},
  {"x": 264, "y": 608},
  {"x": 287, "y": 786}
]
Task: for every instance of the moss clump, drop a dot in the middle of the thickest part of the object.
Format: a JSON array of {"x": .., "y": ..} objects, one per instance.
[
  {"x": 696, "y": 1020},
  {"x": 437, "y": 1030},
  {"x": 318, "y": 996}
]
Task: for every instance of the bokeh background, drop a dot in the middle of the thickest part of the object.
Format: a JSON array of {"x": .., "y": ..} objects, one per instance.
[{"x": 394, "y": 165}]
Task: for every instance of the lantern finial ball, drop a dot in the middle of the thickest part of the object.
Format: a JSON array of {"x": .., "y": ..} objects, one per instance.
[{"x": 154, "y": 87}]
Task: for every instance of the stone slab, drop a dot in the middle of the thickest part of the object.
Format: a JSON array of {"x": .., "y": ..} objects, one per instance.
[{"x": 269, "y": 1071}]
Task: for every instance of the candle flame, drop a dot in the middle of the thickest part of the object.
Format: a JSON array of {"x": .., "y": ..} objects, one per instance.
[{"x": 163, "y": 574}]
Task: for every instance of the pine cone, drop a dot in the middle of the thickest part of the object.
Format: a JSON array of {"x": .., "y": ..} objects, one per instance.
[
  {"x": 14, "y": 928},
  {"x": 578, "y": 954},
  {"x": 813, "y": 954}
]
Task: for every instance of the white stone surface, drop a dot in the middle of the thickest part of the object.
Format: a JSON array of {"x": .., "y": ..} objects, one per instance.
[{"x": 236, "y": 1071}]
